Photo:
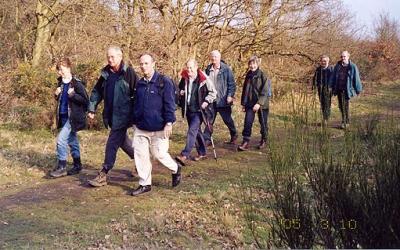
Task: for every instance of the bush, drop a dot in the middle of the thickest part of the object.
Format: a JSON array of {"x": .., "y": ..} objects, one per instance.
[
  {"x": 336, "y": 194},
  {"x": 33, "y": 85}
]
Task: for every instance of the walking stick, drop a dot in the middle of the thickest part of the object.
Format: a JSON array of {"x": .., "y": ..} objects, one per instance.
[{"x": 207, "y": 123}]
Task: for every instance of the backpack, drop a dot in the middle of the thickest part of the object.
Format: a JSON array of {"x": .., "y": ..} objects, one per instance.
[{"x": 160, "y": 82}]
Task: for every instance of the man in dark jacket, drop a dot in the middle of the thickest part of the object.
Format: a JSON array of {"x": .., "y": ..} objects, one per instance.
[
  {"x": 321, "y": 82},
  {"x": 255, "y": 100},
  {"x": 222, "y": 77},
  {"x": 115, "y": 86},
  {"x": 345, "y": 83},
  {"x": 153, "y": 116},
  {"x": 196, "y": 92},
  {"x": 72, "y": 101}
]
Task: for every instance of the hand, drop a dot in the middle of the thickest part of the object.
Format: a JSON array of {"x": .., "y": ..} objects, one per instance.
[
  {"x": 204, "y": 105},
  {"x": 91, "y": 115},
  {"x": 58, "y": 91},
  {"x": 167, "y": 130},
  {"x": 229, "y": 100},
  {"x": 182, "y": 92},
  {"x": 256, "y": 107},
  {"x": 243, "y": 109},
  {"x": 71, "y": 91}
]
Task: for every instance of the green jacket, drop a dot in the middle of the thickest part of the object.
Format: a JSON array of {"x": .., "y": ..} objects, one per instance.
[
  {"x": 123, "y": 97},
  {"x": 256, "y": 89}
]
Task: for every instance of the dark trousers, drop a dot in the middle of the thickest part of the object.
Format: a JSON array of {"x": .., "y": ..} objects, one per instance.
[
  {"x": 226, "y": 115},
  {"x": 118, "y": 138},
  {"x": 325, "y": 96},
  {"x": 249, "y": 120},
  {"x": 344, "y": 106},
  {"x": 194, "y": 135}
]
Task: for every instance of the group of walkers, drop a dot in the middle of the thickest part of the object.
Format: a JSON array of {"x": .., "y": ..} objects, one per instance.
[
  {"x": 148, "y": 105},
  {"x": 342, "y": 80}
]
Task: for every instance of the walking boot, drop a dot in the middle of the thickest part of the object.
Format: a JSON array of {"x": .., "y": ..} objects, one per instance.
[
  {"x": 183, "y": 160},
  {"x": 61, "y": 169},
  {"x": 177, "y": 177},
  {"x": 232, "y": 141},
  {"x": 141, "y": 189},
  {"x": 100, "y": 180},
  {"x": 76, "y": 168},
  {"x": 262, "y": 144},
  {"x": 200, "y": 157},
  {"x": 244, "y": 146}
]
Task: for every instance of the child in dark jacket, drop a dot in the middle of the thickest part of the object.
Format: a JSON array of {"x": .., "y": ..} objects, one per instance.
[
  {"x": 255, "y": 99},
  {"x": 72, "y": 103}
]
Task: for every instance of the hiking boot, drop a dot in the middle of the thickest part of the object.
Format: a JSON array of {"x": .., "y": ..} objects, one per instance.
[
  {"x": 141, "y": 189},
  {"x": 76, "y": 168},
  {"x": 177, "y": 177},
  {"x": 182, "y": 159},
  {"x": 200, "y": 157},
  {"x": 233, "y": 140},
  {"x": 343, "y": 125},
  {"x": 244, "y": 146},
  {"x": 99, "y": 181},
  {"x": 262, "y": 144},
  {"x": 60, "y": 171}
]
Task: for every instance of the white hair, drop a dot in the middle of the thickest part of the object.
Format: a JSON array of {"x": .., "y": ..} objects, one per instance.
[
  {"x": 215, "y": 53},
  {"x": 192, "y": 60}
]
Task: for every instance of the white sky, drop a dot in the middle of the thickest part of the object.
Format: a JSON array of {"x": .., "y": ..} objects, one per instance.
[{"x": 367, "y": 11}]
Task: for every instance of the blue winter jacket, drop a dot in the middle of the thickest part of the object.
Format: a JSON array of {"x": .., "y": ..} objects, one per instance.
[
  {"x": 154, "y": 105},
  {"x": 354, "y": 85},
  {"x": 225, "y": 85}
]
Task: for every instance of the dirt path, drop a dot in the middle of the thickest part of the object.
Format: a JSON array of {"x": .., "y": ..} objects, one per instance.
[{"x": 75, "y": 186}]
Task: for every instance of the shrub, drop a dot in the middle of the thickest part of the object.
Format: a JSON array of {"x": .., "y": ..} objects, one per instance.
[{"x": 336, "y": 194}]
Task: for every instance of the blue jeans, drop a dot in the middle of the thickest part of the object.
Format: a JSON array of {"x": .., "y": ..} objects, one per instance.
[
  {"x": 194, "y": 135},
  {"x": 65, "y": 138},
  {"x": 249, "y": 120},
  {"x": 226, "y": 115}
]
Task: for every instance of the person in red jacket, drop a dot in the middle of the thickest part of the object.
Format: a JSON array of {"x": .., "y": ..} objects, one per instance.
[{"x": 196, "y": 93}]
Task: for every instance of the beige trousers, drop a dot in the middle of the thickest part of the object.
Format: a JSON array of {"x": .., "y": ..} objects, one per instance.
[{"x": 146, "y": 142}]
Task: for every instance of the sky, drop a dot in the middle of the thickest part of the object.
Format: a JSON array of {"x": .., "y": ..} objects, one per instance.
[{"x": 367, "y": 11}]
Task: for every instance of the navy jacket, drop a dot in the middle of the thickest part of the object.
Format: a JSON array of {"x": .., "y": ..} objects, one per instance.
[
  {"x": 154, "y": 105},
  {"x": 122, "y": 102},
  {"x": 322, "y": 76},
  {"x": 77, "y": 105},
  {"x": 353, "y": 86},
  {"x": 255, "y": 90},
  {"x": 225, "y": 84}
]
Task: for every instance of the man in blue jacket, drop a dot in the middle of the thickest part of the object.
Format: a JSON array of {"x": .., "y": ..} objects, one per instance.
[
  {"x": 153, "y": 116},
  {"x": 345, "y": 83},
  {"x": 222, "y": 77},
  {"x": 115, "y": 86}
]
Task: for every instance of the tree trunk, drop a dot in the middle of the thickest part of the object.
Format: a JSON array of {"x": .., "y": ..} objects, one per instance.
[{"x": 44, "y": 16}]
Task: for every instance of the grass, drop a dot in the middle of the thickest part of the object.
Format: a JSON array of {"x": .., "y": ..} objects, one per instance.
[{"x": 223, "y": 204}]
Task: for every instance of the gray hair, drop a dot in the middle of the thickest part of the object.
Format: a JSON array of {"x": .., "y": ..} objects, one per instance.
[
  {"x": 323, "y": 56},
  {"x": 116, "y": 49},
  {"x": 346, "y": 52},
  {"x": 215, "y": 53},
  {"x": 255, "y": 59}
]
